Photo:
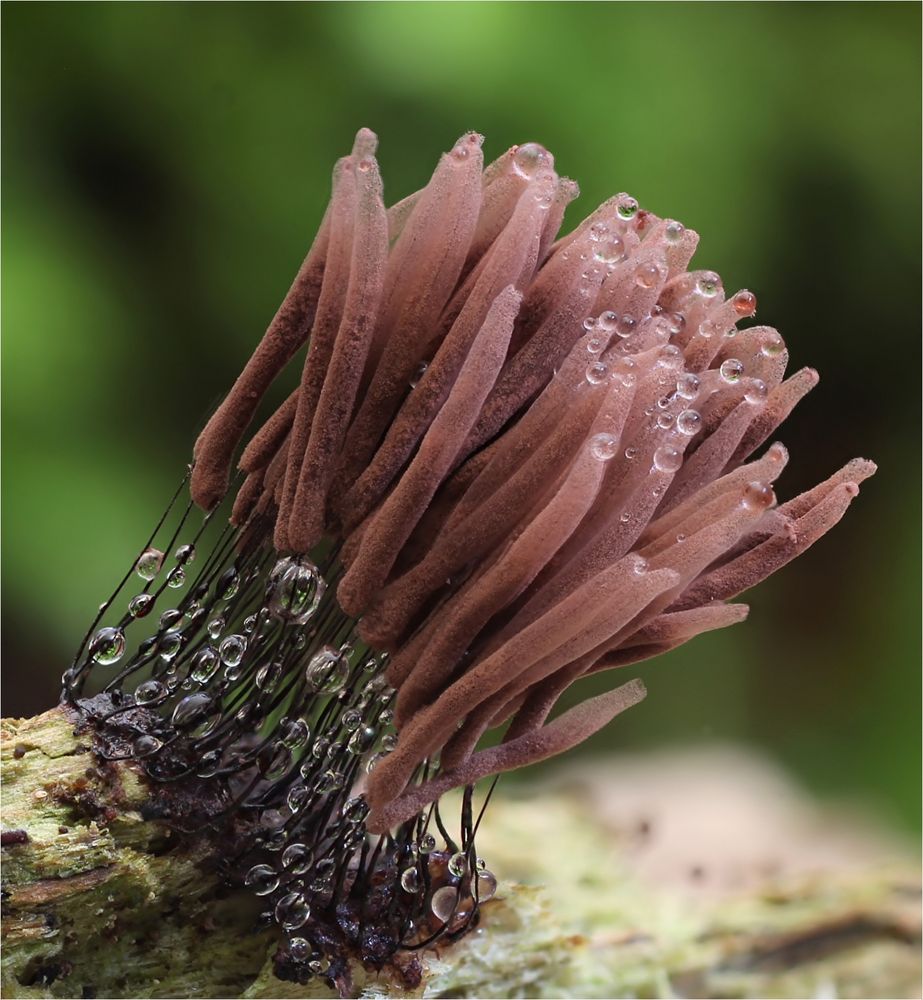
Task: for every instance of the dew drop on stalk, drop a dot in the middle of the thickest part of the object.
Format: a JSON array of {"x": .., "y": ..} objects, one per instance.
[
  {"x": 443, "y": 903},
  {"x": 295, "y": 733},
  {"x": 204, "y": 664},
  {"x": 458, "y": 864},
  {"x": 486, "y": 886},
  {"x": 185, "y": 554},
  {"x": 149, "y": 564},
  {"x": 297, "y": 858},
  {"x": 327, "y": 670},
  {"x": 296, "y": 590},
  {"x": 107, "y": 646},
  {"x": 232, "y": 650},
  {"x": 176, "y": 577},
  {"x": 146, "y": 745},
  {"x": 689, "y": 422},
  {"x": 731, "y": 370},
  {"x": 361, "y": 740},
  {"x": 262, "y": 880},
  {"x": 603, "y": 446},
  {"x": 140, "y": 605},
  {"x": 411, "y": 881},
  {"x": 149, "y": 691}
]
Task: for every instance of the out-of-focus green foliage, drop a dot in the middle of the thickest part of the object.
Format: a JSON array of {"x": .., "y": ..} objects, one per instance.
[{"x": 165, "y": 166}]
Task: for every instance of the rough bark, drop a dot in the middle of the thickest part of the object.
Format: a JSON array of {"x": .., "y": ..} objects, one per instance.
[{"x": 99, "y": 901}]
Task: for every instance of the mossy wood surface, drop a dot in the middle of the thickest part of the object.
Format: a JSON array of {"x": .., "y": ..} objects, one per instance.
[{"x": 100, "y": 902}]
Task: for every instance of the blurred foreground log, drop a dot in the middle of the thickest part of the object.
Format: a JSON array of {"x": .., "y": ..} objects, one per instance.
[{"x": 701, "y": 876}]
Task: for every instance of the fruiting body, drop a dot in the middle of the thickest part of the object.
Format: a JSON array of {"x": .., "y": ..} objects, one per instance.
[{"x": 513, "y": 459}]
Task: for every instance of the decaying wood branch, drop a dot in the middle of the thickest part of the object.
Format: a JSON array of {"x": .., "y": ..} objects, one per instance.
[{"x": 100, "y": 900}]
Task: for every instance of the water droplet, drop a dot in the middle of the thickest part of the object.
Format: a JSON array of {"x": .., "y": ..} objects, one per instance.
[
  {"x": 361, "y": 740},
  {"x": 196, "y": 712},
  {"x": 759, "y": 496},
  {"x": 292, "y": 911},
  {"x": 320, "y": 747},
  {"x": 232, "y": 650},
  {"x": 427, "y": 843},
  {"x": 373, "y": 760},
  {"x": 149, "y": 691},
  {"x": 204, "y": 664},
  {"x": 745, "y": 303},
  {"x": 329, "y": 781},
  {"x": 443, "y": 903},
  {"x": 665, "y": 421},
  {"x": 140, "y": 605},
  {"x": 603, "y": 446},
  {"x": 708, "y": 284},
  {"x": 297, "y": 589},
  {"x": 411, "y": 881},
  {"x": 319, "y": 965},
  {"x": 670, "y": 356},
  {"x": 630, "y": 453},
  {"x": 529, "y": 158},
  {"x": 667, "y": 458},
  {"x": 355, "y": 809},
  {"x": 597, "y": 372},
  {"x": 625, "y": 517},
  {"x": 215, "y": 627},
  {"x": 638, "y": 564},
  {"x": 773, "y": 345},
  {"x": 647, "y": 275},
  {"x": 295, "y": 733},
  {"x": 149, "y": 563},
  {"x": 275, "y": 761},
  {"x": 610, "y": 251},
  {"x": 673, "y": 231},
  {"x": 185, "y": 554},
  {"x": 351, "y": 720},
  {"x": 689, "y": 422},
  {"x": 598, "y": 230},
  {"x": 299, "y": 795},
  {"x": 298, "y": 947},
  {"x": 756, "y": 391},
  {"x": 486, "y": 887},
  {"x": 627, "y": 207},
  {"x": 228, "y": 584},
  {"x": 176, "y": 577},
  {"x": 262, "y": 880},
  {"x": 144, "y": 746},
  {"x": 327, "y": 670},
  {"x": 625, "y": 326},
  {"x": 731, "y": 370},
  {"x": 297, "y": 858},
  {"x": 170, "y": 644},
  {"x": 608, "y": 320},
  {"x": 458, "y": 864},
  {"x": 107, "y": 646},
  {"x": 170, "y": 617},
  {"x": 687, "y": 386}
]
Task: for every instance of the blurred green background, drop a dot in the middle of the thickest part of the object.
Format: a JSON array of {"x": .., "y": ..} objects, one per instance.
[{"x": 165, "y": 167}]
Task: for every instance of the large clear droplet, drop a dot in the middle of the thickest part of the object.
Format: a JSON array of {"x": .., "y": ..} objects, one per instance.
[
  {"x": 296, "y": 590},
  {"x": 232, "y": 650},
  {"x": 327, "y": 670},
  {"x": 297, "y": 858},
  {"x": 262, "y": 880},
  {"x": 292, "y": 911},
  {"x": 443, "y": 903},
  {"x": 107, "y": 646},
  {"x": 204, "y": 664},
  {"x": 149, "y": 691},
  {"x": 149, "y": 563}
]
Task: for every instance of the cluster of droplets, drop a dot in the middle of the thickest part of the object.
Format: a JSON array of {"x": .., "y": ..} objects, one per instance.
[{"x": 256, "y": 679}]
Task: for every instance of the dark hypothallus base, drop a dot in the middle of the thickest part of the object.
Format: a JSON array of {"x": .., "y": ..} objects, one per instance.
[{"x": 245, "y": 695}]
